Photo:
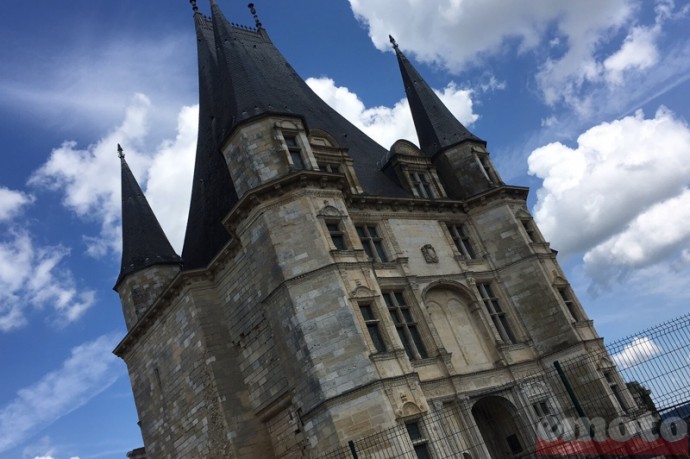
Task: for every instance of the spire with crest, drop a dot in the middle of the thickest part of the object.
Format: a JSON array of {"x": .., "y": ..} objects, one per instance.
[
  {"x": 144, "y": 243},
  {"x": 437, "y": 128}
]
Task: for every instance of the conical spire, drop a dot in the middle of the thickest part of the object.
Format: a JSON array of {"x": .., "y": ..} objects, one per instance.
[
  {"x": 213, "y": 193},
  {"x": 437, "y": 128},
  {"x": 255, "y": 80},
  {"x": 143, "y": 241},
  {"x": 242, "y": 76}
]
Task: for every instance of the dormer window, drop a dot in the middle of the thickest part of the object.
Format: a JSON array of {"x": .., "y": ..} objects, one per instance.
[
  {"x": 331, "y": 168},
  {"x": 462, "y": 241},
  {"x": 415, "y": 171},
  {"x": 295, "y": 151},
  {"x": 482, "y": 158},
  {"x": 421, "y": 183}
]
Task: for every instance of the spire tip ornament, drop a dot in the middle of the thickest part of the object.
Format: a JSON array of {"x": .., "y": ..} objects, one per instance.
[
  {"x": 195, "y": 8},
  {"x": 256, "y": 16},
  {"x": 120, "y": 152},
  {"x": 393, "y": 42}
]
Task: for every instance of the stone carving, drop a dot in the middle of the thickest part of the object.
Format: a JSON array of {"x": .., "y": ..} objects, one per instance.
[{"x": 429, "y": 254}]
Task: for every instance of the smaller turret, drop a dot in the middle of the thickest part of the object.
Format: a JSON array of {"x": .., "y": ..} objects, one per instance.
[
  {"x": 460, "y": 157},
  {"x": 148, "y": 260}
]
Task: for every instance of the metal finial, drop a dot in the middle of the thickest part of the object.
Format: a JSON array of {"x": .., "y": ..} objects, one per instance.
[
  {"x": 256, "y": 17},
  {"x": 194, "y": 7},
  {"x": 120, "y": 153},
  {"x": 395, "y": 44}
]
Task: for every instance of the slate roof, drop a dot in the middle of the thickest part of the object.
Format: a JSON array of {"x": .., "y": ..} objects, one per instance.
[
  {"x": 144, "y": 243},
  {"x": 213, "y": 193},
  {"x": 437, "y": 128},
  {"x": 242, "y": 76}
]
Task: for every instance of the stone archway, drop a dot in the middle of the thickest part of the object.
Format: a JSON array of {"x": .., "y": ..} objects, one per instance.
[{"x": 500, "y": 427}]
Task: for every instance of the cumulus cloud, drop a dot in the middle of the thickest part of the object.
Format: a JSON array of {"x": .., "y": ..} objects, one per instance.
[
  {"x": 90, "y": 369},
  {"x": 621, "y": 195},
  {"x": 639, "y": 350},
  {"x": 12, "y": 202},
  {"x": 33, "y": 277},
  {"x": 638, "y": 52},
  {"x": 388, "y": 124},
  {"x": 578, "y": 44},
  {"x": 90, "y": 186}
]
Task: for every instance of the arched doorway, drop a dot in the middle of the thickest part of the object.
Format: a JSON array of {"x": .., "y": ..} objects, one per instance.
[
  {"x": 499, "y": 425},
  {"x": 460, "y": 332}
]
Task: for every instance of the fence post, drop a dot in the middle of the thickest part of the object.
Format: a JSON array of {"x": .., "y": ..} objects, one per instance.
[
  {"x": 351, "y": 444},
  {"x": 576, "y": 403}
]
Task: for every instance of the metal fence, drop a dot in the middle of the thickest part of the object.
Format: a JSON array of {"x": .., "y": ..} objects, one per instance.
[{"x": 630, "y": 400}]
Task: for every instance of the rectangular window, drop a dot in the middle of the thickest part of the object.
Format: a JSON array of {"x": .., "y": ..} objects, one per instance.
[
  {"x": 498, "y": 316},
  {"x": 405, "y": 325},
  {"x": 372, "y": 325},
  {"x": 295, "y": 151},
  {"x": 613, "y": 384},
  {"x": 570, "y": 304},
  {"x": 372, "y": 242},
  {"x": 337, "y": 235},
  {"x": 541, "y": 408},
  {"x": 422, "y": 185},
  {"x": 462, "y": 241},
  {"x": 485, "y": 165},
  {"x": 419, "y": 441},
  {"x": 529, "y": 229},
  {"x": 331, "y": 168}
]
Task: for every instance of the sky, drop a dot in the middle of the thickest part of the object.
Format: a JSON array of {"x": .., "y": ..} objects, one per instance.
[{"x": 585, "y": 102}]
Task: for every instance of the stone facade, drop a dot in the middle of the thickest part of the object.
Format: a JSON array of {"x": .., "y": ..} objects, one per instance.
[{"x": 332, "y": 313}]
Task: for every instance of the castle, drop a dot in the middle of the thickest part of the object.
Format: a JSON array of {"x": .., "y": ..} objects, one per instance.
[{"x": 329, "y": 288}]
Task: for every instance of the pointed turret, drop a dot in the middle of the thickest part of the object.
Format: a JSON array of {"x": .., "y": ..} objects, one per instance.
[
  {"x": 144, "y": 243},
  {"x": 213, "y": 193},
  {"x": 437, "y": 128},
  {"x": 242, "y": 78}
]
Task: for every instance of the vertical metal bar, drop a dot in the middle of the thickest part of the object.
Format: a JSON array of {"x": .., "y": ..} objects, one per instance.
[
  {"x": 351, "y": 444},
  {"x": 576, "y": 404}
]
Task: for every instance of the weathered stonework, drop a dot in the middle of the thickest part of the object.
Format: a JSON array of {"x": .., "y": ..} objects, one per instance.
[{"x": 333, "y": 313}]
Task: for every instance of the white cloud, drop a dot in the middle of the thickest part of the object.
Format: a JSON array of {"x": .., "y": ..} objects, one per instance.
[
  {"x": 33, "y": 276},
  {"x": 638, "y": 52},
  {"x": 639, "y": 350},
  {"x": 90, "y": 369},
  {"x": 90, "y": 181},
  {"x": 620, "y": 196},
  {"x": 577, "y": 44},
  {"x": 44, "y": 457},
  {"x": 386, "y": 124},
  {"x": 11, "y": 203}
]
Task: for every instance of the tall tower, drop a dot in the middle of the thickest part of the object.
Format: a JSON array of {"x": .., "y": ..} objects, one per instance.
[{"x": 329, "y": 288}]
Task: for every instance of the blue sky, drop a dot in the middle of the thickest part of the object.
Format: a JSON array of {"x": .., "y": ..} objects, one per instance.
[{"x": 586, "y": 102}]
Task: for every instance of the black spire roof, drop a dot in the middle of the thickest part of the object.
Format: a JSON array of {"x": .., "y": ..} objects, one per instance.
[
  {"x": 257, "y": 80},
  {"x": 144, "y": 243},
  {"x": 213, "y": 193},
  {"x": 437, "y": 128},
  {"x": 243, "y": 76}
]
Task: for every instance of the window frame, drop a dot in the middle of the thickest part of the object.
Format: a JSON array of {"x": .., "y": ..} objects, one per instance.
[
  {"x": 498, "y": 316},
  {"x": 373, "y": 322},
  {"x": 373, "y": 245},
  {"x": 294, "y": 150},
  {"x": 462, "y": 240},
  {"x": 422, "y": 184},
  {"x": 406, "y": 326},
  {"x": 566, "y": 295},
  {"x": 418, "y": 438},
  {"x": 339, "y": 233}
]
